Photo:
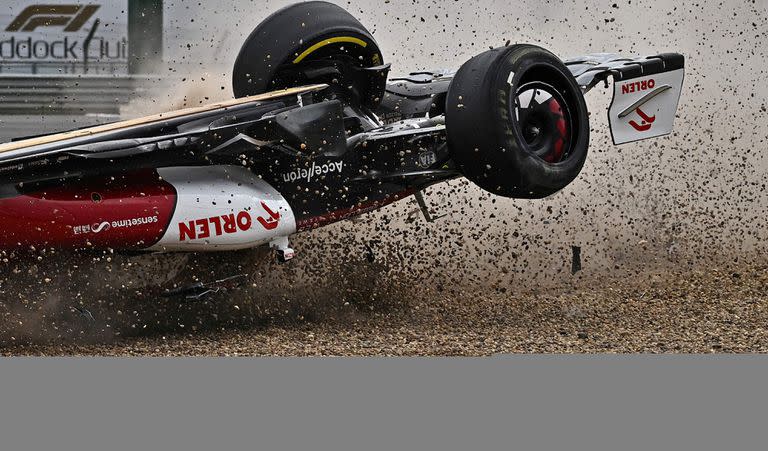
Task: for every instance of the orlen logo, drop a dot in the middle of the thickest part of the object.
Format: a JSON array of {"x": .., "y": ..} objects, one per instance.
[
  {"x": 272, "y": 222},
  {"x": 647, "y": 121},
  {"x": 637, "y": 86},
  {"x": 215, "y": 226},
  {"x": 201, "y": 229},
  {"x": 71, "y": 17}
]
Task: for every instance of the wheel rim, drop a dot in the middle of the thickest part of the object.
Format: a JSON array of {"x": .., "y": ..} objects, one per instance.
[{"x": 543, "y": 121}]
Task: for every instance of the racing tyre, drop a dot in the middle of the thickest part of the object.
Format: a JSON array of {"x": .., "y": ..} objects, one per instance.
[
  {"x": 311, "y": 42},
  {"x": 517, "y": 122}
]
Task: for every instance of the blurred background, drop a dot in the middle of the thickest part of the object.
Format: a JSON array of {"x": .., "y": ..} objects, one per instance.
[{"x": 691, "y": 198}]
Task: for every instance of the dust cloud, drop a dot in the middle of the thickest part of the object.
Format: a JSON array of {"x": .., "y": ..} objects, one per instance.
[{"x": 694, "y": 197}]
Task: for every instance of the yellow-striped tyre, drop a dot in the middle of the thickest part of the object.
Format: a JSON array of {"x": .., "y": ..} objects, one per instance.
[{"x": 311, "y": 42}]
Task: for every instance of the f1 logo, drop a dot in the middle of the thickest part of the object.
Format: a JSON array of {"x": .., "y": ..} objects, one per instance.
[
  {"x": 272, "y": 222},
  {"x": 71, "y": 17},
  {"x": 647, "y": 121}
]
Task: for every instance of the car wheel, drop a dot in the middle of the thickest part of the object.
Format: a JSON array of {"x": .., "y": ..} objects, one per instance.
[
  {"x": 311, "y": 42},
  {"x": 517, "y": 122}
]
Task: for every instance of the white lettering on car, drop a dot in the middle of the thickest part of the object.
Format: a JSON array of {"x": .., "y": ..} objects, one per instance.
[{"x": 308, "y": 174}]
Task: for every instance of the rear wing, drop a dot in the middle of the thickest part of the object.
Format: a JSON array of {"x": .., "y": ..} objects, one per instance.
[{"x": 646, "y": 91}]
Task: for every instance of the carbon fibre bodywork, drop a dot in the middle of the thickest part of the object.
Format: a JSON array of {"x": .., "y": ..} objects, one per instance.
[{"x": 326, "y": 156}]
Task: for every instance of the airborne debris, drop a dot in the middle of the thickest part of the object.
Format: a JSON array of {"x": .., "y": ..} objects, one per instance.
[
  {"x": 575, "y": 259},
  {"x": 84, "y": 313},
  {"x": 200, "y": 290}
]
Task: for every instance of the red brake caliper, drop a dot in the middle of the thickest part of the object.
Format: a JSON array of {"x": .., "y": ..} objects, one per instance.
[{"x": 562, "y": 129}]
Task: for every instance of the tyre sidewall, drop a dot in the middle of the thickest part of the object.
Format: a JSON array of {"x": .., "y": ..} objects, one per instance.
[
  {"x": 488, "y": 135},
  {"x": 282, "y": 36}
]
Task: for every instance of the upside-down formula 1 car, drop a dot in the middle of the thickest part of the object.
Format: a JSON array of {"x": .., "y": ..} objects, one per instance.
[{"x": 318, "y": 132}]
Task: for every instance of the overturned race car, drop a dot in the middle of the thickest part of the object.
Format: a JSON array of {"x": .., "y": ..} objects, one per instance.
[{"x": 318, "y": 133}]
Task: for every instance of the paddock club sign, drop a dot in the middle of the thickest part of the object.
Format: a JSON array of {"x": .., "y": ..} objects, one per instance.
[{"x": 57, "y": 33}]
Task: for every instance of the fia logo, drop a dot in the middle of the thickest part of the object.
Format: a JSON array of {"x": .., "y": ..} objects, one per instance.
[{"x": 427, "y": 159}]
